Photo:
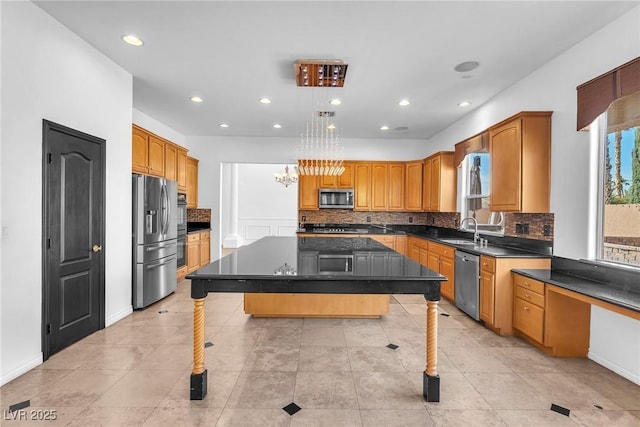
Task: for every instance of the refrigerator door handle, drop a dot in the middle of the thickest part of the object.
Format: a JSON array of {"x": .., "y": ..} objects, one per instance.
[
  {"x": 164, "y": 206},
  {"x": 160, "y": 246},
  {"x": 159, "y": 264}
]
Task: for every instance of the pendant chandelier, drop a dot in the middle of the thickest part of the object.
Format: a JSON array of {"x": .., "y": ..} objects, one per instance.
[
  {"x": 286, "y": 178},
  {"x": 319, "y": 151}
]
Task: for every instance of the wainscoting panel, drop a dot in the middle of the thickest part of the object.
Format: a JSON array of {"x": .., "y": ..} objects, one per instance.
[{"x": 255, "y": 228}]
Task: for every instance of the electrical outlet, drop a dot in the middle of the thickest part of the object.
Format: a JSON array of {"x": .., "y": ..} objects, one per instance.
[
  {"x": 368, "y": 219},
  {"x": 456, "y": 223},
  {"x": 304, "y": 218},
  {"x": 433, "y": 220},
  {"x": 410, "y": 219},
  {"x": 519, "y": 229},
  {"x": 525, "y": 228},
  {"x": 546, "y": 230}
]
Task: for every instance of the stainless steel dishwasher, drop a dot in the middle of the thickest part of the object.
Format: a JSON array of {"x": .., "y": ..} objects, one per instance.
[{"x": 468, "y": 283}]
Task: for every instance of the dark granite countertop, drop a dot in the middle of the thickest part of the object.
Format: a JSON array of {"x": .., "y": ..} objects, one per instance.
[
  {"x": 618, "y": 293},
  {"x": 297, "y": 259},
  {"x": 498, "y": 247}
]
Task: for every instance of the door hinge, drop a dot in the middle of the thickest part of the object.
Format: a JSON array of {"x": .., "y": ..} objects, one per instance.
[
  {"x": 48, "y": 243},
  {"x": 49, "y": 158},
  {"x": 48, "y": 328}
]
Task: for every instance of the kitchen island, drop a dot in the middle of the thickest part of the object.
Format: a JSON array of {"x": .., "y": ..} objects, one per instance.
[{"x": 271, "y": 265}]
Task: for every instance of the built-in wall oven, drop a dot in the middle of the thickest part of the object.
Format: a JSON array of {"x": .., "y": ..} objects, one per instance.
[{"x": 182, "y": 230}]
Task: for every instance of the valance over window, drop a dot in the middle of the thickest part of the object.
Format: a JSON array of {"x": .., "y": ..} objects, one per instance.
[
  {"x": 595, "y": 96},
  {"x": 475, "y": 144}
]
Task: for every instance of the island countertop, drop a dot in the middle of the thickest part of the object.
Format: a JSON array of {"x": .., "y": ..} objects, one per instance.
[{"x": 277, "y": 264}]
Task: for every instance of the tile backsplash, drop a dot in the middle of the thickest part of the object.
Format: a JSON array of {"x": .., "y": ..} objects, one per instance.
[
  {"x": 540, "y": 225},
  {"x": 348, "y": 216},
  {"x": 198, "y": 215}
]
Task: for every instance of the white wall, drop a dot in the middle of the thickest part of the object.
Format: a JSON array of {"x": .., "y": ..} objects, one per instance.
[
  {"x": 265, "y": 207},
  {"x": 213, "y": 151},
  {"x": 48, "y": 72},
  {"x": 553, "y": 87}
]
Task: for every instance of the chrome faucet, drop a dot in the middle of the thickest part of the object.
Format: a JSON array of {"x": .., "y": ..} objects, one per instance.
[{"x": 475, "y": 223}]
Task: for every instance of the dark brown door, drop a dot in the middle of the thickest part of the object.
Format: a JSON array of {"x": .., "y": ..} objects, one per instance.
[{"x": 73, "y": 236}]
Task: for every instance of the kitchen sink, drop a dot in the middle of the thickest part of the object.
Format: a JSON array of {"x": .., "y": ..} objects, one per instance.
[{"x": 458, "y": 241}]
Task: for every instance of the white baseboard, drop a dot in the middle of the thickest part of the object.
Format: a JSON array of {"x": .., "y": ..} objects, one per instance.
[
  {"x": 118, "y": 316},
  {"x": 634, "y": 377},
  {"x": 22, "y": 369}
]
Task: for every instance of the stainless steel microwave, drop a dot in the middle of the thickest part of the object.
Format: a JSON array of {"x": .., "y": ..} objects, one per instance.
[{"x": 336, "y": 198}]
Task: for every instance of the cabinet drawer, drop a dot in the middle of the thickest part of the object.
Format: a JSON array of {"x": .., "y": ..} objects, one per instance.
[
  {"x": 442, "y": 250},
  {"x": 528, "y": 319},
  {"x": 530, "y": 296},
  {"x": 387, "y": 240},
  {"x": 525, "y": 282},
  {"x": 193, "y": 237},
  {"x": 487, "y": 264}
]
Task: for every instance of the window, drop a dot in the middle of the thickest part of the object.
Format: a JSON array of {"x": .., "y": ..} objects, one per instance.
[
  {"x": 476, "y": 187},
  {"x": 619, "y": 192}
]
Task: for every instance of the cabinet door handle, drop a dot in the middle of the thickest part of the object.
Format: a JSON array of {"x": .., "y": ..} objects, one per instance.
[
  {"x": 527, "y": 296},
  {"x": 525, "y": 308},
  {"x": 527, "y": 284}
]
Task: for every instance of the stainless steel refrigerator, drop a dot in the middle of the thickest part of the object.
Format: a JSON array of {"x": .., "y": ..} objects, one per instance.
[{"x": 155, "y": 232}]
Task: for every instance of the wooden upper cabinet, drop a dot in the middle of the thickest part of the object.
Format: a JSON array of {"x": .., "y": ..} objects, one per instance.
[
  {"x": 395, "y": 187},
  {"x": 362, "y": 179},
  {"x": 192, "y": 182},
  {"x": 439, "y": 187},
  {"x": 156, "y": 156},
  {"x": 345, "y": 180},
  {"x": 413, "y": 186},
  {"x": 308, "y": 192},
  {"x": 379, "y": 177},
  {"x": 140, "y": 150},
  {"x": 171, "y": 161},
  {"x": 181, "y": 169},
  {"x": 520, "y": 149}
]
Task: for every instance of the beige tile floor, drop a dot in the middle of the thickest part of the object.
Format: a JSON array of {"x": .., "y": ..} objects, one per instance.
[{"x": 136, "y": 373}]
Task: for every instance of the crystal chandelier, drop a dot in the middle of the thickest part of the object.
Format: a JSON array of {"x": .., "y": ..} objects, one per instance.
[
  {"x": 319, "y": 151},
  {"x": 286, "y": 178}
]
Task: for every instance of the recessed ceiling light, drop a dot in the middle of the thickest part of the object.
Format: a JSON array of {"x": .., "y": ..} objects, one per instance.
[
  {"x": 401, "y": 128},
  {"x": 335, "y": 101},
  {"x": 464, "y": 103},
  {"x": 223, "y": 125},
  {"x": 331, "y": 126},
  {"x": 463, "y": 67},
  {"x": 132, "y": 40},
  {"x": 264, "y": 101},
  {"x": 403, "y": 102},
  {"x": 385, "y": 127},
  {"x": 196, "y": 99},
  {"x": 277, "y": 126}
]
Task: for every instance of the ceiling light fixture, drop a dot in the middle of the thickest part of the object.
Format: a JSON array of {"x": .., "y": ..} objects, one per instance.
[
  {"x": 320, "y": 72},
  {"x": 467, "y": 66},
  {"x": 319, "y": 152},
  {"x": 464, "y": 104},
  {"x": 385, "y": 127},
  {"x": 286, "y": 178},
  {"x": 264, "y": 101},
  {"x": 404, "y": 102},
  {"x": 223, "y": 125},
  {"x": 132, "y": 40},
  {"x": 196, "y": 99},
  {"x": 277, "y": 126}
]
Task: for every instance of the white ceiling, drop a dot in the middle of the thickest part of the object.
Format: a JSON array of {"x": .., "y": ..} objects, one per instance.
[{"x": 232, "y": 53}]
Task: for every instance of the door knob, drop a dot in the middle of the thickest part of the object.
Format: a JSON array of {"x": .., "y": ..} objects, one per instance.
[{"x": 97, "y": 248}]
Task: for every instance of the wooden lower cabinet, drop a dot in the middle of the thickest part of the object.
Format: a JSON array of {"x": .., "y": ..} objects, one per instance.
[
  {"x": 437, "y": 257},
  {"x": 198, "y": 250},
  {"x": 497, "y": 290},
  {"x": 553, "y": 319}
]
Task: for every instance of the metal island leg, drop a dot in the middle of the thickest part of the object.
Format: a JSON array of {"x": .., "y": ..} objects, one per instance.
[
  {"x": 199, "y": 374},
  {"x": 431, "y": 379}
]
